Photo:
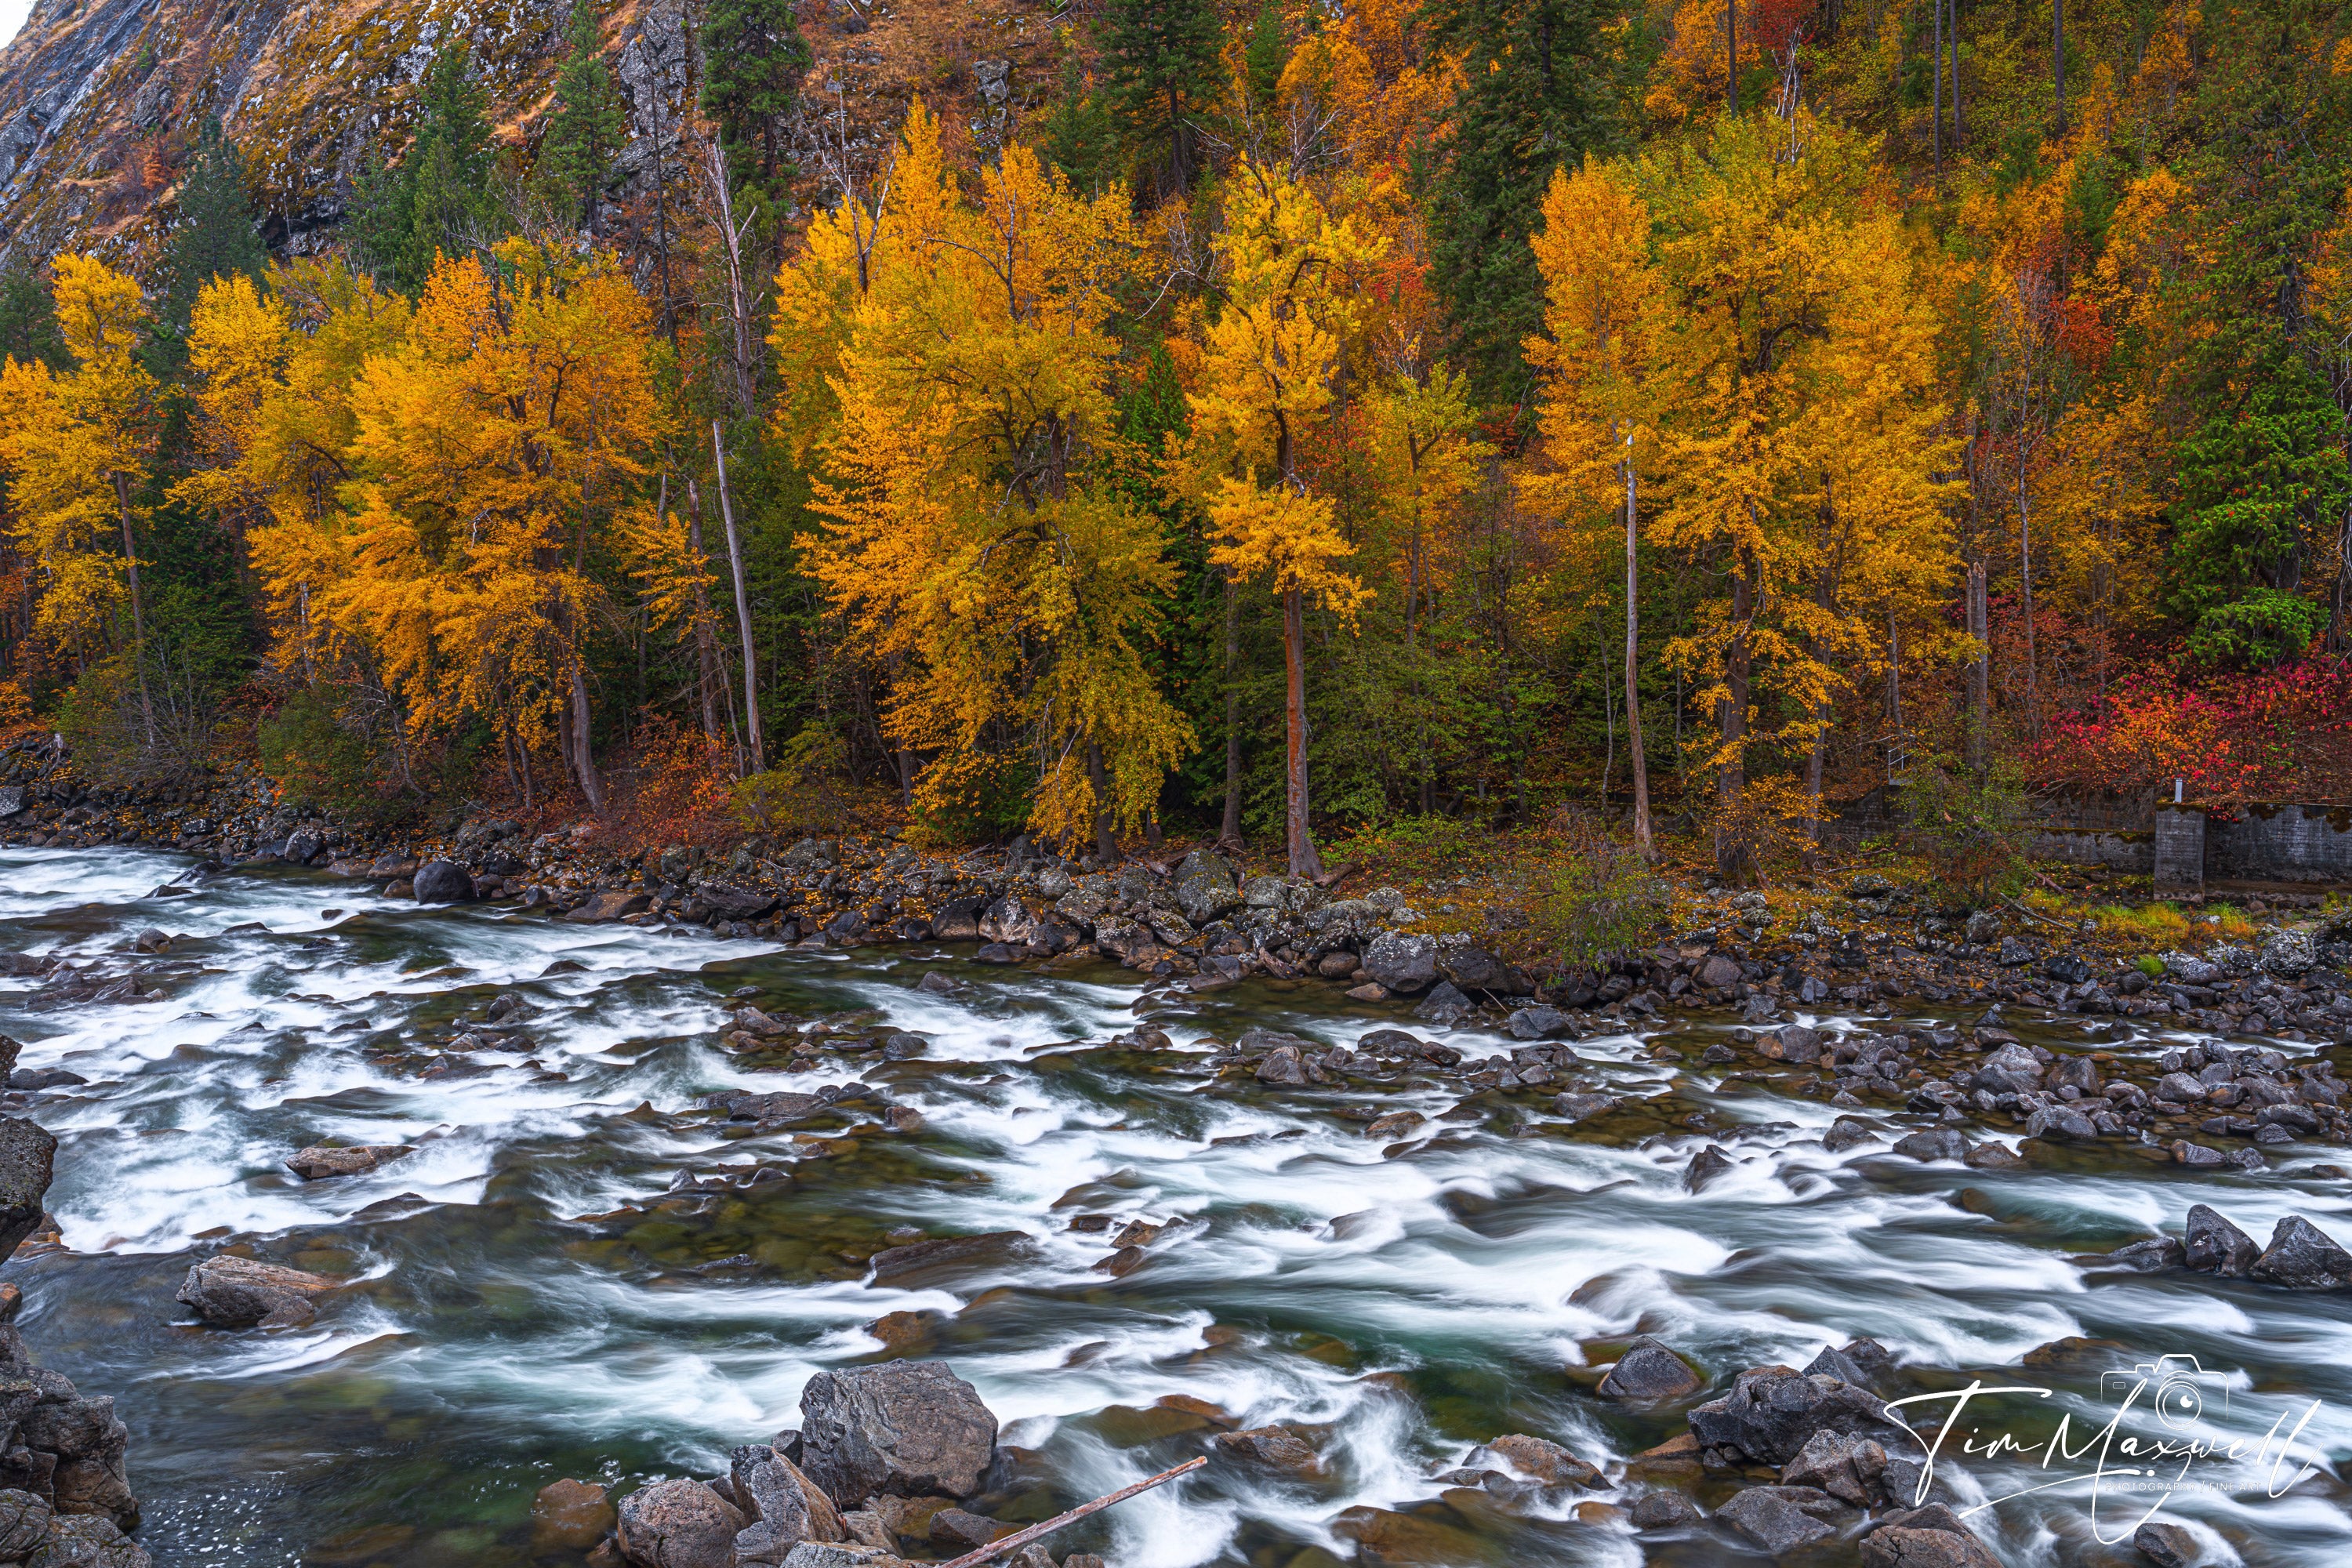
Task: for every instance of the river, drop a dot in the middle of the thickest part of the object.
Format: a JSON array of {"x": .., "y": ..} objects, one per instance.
[{"x": 532, "y": 1300}]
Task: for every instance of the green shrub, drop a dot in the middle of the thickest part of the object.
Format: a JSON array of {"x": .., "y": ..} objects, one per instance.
[
  {"x": 1972, "y": 832},
  {"x": 1594, "y": 894}
]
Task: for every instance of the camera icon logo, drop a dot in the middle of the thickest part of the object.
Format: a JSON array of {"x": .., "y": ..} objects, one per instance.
[{"x": 2178, "y": 1389}]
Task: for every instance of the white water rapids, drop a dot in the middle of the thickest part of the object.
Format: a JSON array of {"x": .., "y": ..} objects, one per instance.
[{"x": 530, "y": 1303}]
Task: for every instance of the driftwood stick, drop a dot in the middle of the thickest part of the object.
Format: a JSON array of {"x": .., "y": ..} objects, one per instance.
[{"x": 1019, "y": 1539}]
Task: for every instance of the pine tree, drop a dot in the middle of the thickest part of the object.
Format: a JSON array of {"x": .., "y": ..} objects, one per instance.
[
  {"x": 1160, "y": 57},
  {"x": 1262, "y": 61},
  {"x": 28, "y": 319},
  {"x": 756, "y": 57},
  {"x": 438, "y": 197},
  {"x": 1539, "y": 91},
  {"x": 216, "y": 238},
  {"x": 586, "y": 131},
  {"x": 1078, "y": 137}
]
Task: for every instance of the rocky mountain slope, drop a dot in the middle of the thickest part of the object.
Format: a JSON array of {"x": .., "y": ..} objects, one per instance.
[{"x": 101, "y": 100}]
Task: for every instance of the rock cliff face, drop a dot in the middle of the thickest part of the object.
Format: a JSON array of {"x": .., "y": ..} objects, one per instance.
[{"x": 101, "y": 100}]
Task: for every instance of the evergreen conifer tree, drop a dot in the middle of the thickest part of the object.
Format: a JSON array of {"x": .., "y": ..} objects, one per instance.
[
  {"x": 28, "y": 321},
  {"x": 1080, "y": 138},
  {"x": 1159, "y": 59},
  {"x": 1539, "y": 89},
  {"x": 437, "y": 197},
  {"x": 586, "y": 131},
  {"x": 755, "y": 57},
  {"x": 216, "y": 238},
  {"x": 1262, "y": 61}
]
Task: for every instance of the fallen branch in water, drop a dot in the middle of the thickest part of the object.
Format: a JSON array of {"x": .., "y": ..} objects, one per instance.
[{"x": 1019, "y": 1539}]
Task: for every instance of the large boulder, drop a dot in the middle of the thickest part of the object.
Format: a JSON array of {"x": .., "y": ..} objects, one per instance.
[
  {"x": 1778, "y": 1518},
  {"x": 233, "y": 1292},
  {"x": 1474, "y": 969},
  {"x": 571, "y": 1516},
  {"x": 81, "y": 1540},
  {"x": 28, "y": 1156},
  {"x": 1930, "y": 1537},
  {"x": 906, "y": 1428},
  {"x": 610, "y": 904},
  {"x": 1772, "y": 1412},
  {"x": 2302, "y": 1256},
  {"x": 680, "y": 1524},
  {"x": 2289, "y": 952},
  {"x": 2215, "y": 1246},
  {"x": 1205, "y": 888},
  {"x": 1401, "y": 962},
  {"x": 1649, "y": 1371},
  {"x": 718, "y": 901},
  {"x": 441, "y": 882},
  {"x": 784, "y": 1506},
  {"x": 24, "y": 1524}
]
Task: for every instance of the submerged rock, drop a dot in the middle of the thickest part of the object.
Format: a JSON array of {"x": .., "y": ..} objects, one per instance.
[
  {"x": 1544, "y": 1460},
  {"x": 319, "y": 1160},
  {"x": 1649, "y": 1371},
  {"x": 906, "y": 1428},
  {"x": 233, "y": 1292},
  {"x": 571, "y": 1516}
]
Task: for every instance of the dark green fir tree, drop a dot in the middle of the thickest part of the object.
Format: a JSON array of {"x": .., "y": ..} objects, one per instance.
[
  {"x": 589, "y": 125},
  {"x": 755, "y": 59},
  {"x": 1159, "y": 70},
  {"x": 439, "y": 198},
  {"x": 217, "y": 237},
  {"x": 1080, "y": 138}
]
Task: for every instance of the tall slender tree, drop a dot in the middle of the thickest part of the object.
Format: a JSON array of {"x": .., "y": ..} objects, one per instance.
[
  {"x": 590, "y": 124},
  {"x": 216, "y": 238},
  {"x": 753, "y": 60},
  {"x": 438, "y": 198},
  {"x": 1161, "y": 65}
]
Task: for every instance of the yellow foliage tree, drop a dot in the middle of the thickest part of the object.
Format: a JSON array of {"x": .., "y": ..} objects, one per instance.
[
  {"x": 1288, "y": 275},
  {"x": 1005, "y": 592}
]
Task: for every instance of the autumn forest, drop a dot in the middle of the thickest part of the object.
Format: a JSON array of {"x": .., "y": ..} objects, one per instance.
[{"x": 1285, "y": 421}]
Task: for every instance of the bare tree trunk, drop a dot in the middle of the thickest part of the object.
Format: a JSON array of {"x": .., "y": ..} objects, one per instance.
[
  {"x": 1304, "y": 861},
  {"x": 584, "y": 760},
  {"x": 2058, "y": 60},
  {"x": 1935, "y": 90},
  {"x": 1894, "y": 694},
  {"x": 2025, "y": 580},
  {"x": 753, "y": 737},
  {"x": 1957, "y": 132},
  {"x": 1632, "y": 667},
  {"x": 1230, "y": 831},
  {"x": 1733, "y": 858},
  {"x": 712, "y": 674},
  {"x": 138, "y": 607},
  {"x": 738, "y": 304},
  {"x": 1980, "y": 668},
  {"x": 1106, "y": 842},
  {"x": 1731, "y": 55}
]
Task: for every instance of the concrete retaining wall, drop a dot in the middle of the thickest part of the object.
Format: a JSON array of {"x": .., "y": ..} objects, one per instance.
[{"x": 2281, "y": 843}]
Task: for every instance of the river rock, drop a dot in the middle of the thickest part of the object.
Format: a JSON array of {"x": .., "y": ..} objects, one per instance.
[
  {"x": 1847, "y": 1467},
  {"x": 1539, "y": 1023},
  {"x": 1718, "y": 972},
  {"x": 678, "y": 1524},
  {"x": 1936, "y": 1144},
  {"x": 1283, "y": 1066},
  {"x": 82, "y": 1541},
  {"x": 609, "y": 904},
  {"x": 784, "y": 1506},
  {"x": 899, "y": 1263},
  {"x": 1929, "y": 1537},
  {"x": 1205, "y": 888},
  {"x": 1398, "y": 961},
  {"x": 24, "y": 1524},
  {"x": 2302, "y": 1256},
  {"x": 1544, "y": 1460},
  {"x": 319, "y": 1160},
  {"x": 2215, "y": 1246},
  {"x": 1445, "y": 1006},
  {"x": 27, "y": 1154},
  {"x": 1649, "y": 1371},
  {"x": 1707, "y": 1165},
  {"x": 1792, "y": 1043},
  {"x": 441, "y": 882},
  {"x": 1772, "y": 1412},
  {"x": 2289, "y": 952},
  {"x": 2158, "y": 1252},
  {"x": 1472, "y": 968},
  {"x": 1270, "y": 1448},
  {"x": 906, "y": 1428},
  {"x": 233, "y": 1292},
  {"x": 832, "y": 1554},
  {"x": 570, "y": 1516},
  {"x": 2167, "y": 1545},
  {"x": 1776, "y": 1518},
  {"x": 1847, "y": 1132}
]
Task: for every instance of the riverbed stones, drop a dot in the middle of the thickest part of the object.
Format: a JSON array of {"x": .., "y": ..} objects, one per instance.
[
  {"x": 610, "y": 904},
  {"x": 2213, "y": 1245},
  {"x": 232, "y": 1292},
  {"x": 2302, "y": 1256},
  {"x": 441, "y": 882},
  {"x": 832, "y": 1554},
  {"x": 918, "y": 1260},
  {"x": 2167, "y": 1545},
  {"x": 905, "y": 1428},
  {"x": 1544, "y": 1460},
  {"x": 24, "y": 1524},
  {"x": 1539, "y": 1023},
  {"x": 319, "y": 1161},
  {"x": 1778, "y": 1518},
  {"x": 1772, "y": 1412},
  {"x": 1933, "y": 1144},
  {"x": 1929, "y": 1537},
  {"x": 1663, "y": 1511},
  {"x": 82, "y": 1541},
  {"x": 28, "y": 1156},
  {"x": 1205, "y": 888},
  {"x": 1400, "y": 962},
  {"x": 678, "y": 1524},
  {"x": 1649, "y": 1371},
  {"x": 1274, "y": 1449},
  {"x": 785, "y": 1507},
  {"x": 569, "y": 1516},
  {"x": 1283, "y": 1066}
]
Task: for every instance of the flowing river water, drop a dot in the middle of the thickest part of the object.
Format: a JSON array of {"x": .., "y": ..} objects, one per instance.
[{"x": 532, "y": 1300}]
